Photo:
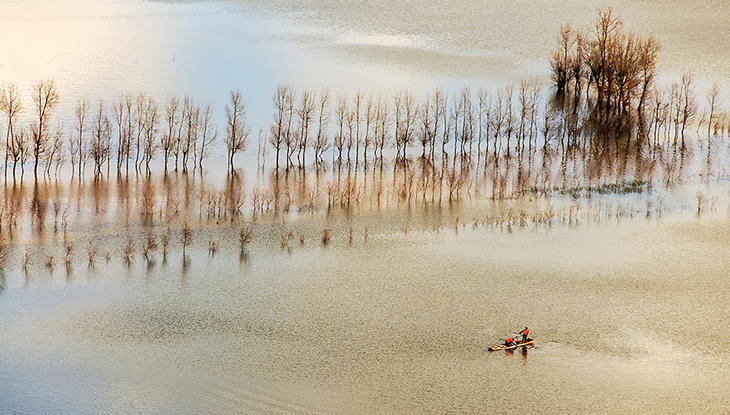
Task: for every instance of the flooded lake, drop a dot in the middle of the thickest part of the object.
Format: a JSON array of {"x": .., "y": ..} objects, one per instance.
[{"x": 364, "y": 288}]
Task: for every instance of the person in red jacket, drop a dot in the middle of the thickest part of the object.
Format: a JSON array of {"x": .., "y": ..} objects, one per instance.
[
  {"x": 509, "y": 342},
  {"x": 524, "y": 334}
]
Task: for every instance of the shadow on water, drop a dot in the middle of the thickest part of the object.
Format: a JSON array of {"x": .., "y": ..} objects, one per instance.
[{"x": 243, "y": 258}]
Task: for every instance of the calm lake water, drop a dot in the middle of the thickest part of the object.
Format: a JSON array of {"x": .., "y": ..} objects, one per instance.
[{"x": 627, "y": 295}]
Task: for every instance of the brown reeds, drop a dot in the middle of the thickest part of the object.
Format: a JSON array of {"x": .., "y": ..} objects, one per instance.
[
  {"x": 186, "y": 236},
  {"x": 245, "y": 236},
  {"x": 68, "y": 253},
  {"x": 149, "y": 246},
  {"x": 92, "y": 251},
  {"x": 128, "y": 250}
]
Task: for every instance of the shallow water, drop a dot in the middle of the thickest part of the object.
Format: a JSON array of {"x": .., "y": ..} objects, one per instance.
[
  {"x": 617, "y": 310},
  {"x": 627, "y": 294}
]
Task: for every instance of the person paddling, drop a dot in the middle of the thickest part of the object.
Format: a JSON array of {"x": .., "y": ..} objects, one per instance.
[{"x": 524, "y": 334}]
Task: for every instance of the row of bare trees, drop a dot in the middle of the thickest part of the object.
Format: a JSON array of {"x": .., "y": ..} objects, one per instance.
[
  {"x": 138, "y": 130},
  {"x": 453, "y": 133},
  {"x": 132, "y": 129},
  {"x": 36, "y": 141}
]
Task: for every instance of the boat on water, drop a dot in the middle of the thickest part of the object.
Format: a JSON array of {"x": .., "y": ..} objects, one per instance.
[{"x": 529, "y": 343}]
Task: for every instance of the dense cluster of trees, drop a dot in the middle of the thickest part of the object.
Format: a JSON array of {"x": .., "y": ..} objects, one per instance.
[{"x": 605, "y": 82}]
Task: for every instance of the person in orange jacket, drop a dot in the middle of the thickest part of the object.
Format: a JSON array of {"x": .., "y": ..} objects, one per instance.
[
  {"x": 509, "y": 342},
  {"x": 524, "y": 334}
]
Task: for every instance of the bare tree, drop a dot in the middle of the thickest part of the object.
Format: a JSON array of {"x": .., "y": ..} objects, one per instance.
[
  {"x": 191, "y": 129},
  {"x": 245, "y": 235},
  {"x": 186, "y": 236},
  {"x": 367, "y": 140},
  {"x": 169, "y": 139},
  {"x": 382, "y": 122},
  {"x": 305, "y": 113},
  {"x": 149, "y": 246},
  {"x": 122, "y": 114},
  {"x": 208, "y": 133},
  {"x": 350, "y": 121},
  {"x": 647, "y": 64},
  {"x": 55, "y": 156},
  {"x": 687, "y": 103},
  {"x": 278, "y": 127},
  {"x": 713, "y": 102},
  {"x": 321, "y": 142},
  {"x": 405, "y": 117},
  {"x": 100, "y": 145},
  {"x": 237, "y": 129},
  {"x": 288, "y": 134},
  {"x": 484, "y": 108},
  {"x": 341, "y": 118},
  {"x": 425, "y": 118},
  {"x": 357, "y": 117},
  {"x": 45, "y": 100},
  {"x": 150, "y": 119},
  {"x": 19, "y": 149},
  {"x": 561, "y": 59},
  {"x": 10, "y": 106},
  {"x": 77, "y": 140}
]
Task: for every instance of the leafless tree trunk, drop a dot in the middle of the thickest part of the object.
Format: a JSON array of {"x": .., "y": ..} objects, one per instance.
[
  {"x": 186, "y": 236},
  {"x": 321, "y": 141},
  {"x": 45, "y": 99},
  {"x": 237, "y": 129},
  {"x": 169, "y": 139},
  {"x": 688, "y": 104},
  {"x": 77, "y": 140},
  {"x": 405, "y": 116},
  {"x": 100, "y": 146},
  {"x": 341, "y": 118},
  {"x": 713, "y": 102},
  {"x": 357, "y": 117},
  {"x": 151, "y": 117},
  {"x": 208, "y": 134},
  {"x": 304, "y": 113},
  {"x": 278, "y": 127},
  {"x": 10, "y": 106},
  {"x": 381, "y": 128},
  {"x": 122, "y": 113},
  {"x": 189, "y": 140}
]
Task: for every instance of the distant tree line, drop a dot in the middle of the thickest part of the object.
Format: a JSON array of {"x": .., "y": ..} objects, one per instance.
[{"x": 604, "y": 90}]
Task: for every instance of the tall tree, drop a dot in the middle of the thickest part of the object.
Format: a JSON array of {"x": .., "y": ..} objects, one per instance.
[
  {"x": 45, "y": 100},
  {"x": 278, "y": 126},
  {"x": 305, "y": 114},
  {"x": 237, "y": 129},
  {"x": 169, "y": 139},
  {"x": 712, "y": 101},
  {"x": 208, "y": 133},
  {"x": 10, "y": 106},
  {"x": 100, "y": 145},
  {"x": 321, "y": 141}
]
